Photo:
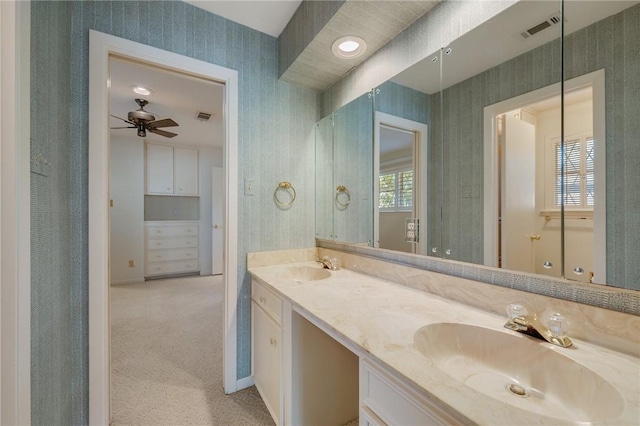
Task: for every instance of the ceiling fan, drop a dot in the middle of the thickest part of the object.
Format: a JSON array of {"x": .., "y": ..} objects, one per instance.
[{"x": 144, "y": 121}]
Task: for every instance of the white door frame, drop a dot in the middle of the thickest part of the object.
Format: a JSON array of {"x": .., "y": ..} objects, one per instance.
[
  {"x": 15, "y": 213},
  {"x": 214, "y": 227},
  {"x": 420, "y": 157},
  {"x": 594, "y": 79},
  {"x": 101, "y": 47}
]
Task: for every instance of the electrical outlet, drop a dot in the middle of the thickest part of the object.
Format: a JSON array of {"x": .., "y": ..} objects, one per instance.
[
  {"x": 132, "y": 263},
  {"x": 412, "y": 230}
]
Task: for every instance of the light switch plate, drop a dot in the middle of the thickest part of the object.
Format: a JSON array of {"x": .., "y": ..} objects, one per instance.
[{"x": 249, "y": 186}]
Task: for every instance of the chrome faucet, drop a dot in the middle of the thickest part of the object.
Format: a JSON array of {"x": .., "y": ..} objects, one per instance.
[
  {"x": 331, "y": 264},
  {"x": 554, "y": 332}
]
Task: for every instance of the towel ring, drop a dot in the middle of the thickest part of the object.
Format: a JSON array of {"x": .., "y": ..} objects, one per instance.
[
  {"x": 289, "y": 189},
  {"x": 341, "y": 189}
]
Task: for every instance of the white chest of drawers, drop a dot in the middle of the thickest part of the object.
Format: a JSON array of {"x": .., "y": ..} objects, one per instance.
[{"x": 171, "y": 248}]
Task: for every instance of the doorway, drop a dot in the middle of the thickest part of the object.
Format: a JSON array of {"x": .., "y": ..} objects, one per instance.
[
  {"x": 102, "y": 47},
  {"x": 400, "y": 184},
  {"x": 523, "y": 186}
]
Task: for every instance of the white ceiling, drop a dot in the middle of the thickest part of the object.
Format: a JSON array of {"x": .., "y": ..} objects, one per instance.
[
  {"x": 392, "y": 139},
  {"x": 177, "y": 96},
  {"x": 267, "y": 16}
]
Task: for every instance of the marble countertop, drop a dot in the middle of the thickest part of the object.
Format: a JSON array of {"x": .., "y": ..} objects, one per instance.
[{"x": 381, "y": 318}]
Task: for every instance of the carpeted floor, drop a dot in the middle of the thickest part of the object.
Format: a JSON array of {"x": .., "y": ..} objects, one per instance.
[{"x": 166, "y": 357}]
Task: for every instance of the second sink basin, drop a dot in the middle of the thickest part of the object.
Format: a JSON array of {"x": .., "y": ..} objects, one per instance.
[
  {"x": 306, "y": 273},
  {"x": 519, "y": 371}
]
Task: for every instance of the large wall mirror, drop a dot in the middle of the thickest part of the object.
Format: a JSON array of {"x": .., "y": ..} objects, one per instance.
[{"x": 467, "y": 147}]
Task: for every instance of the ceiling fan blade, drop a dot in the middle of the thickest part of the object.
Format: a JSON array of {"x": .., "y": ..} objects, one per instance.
[
  {"x": 165, "y": 122},
  {"x": 127, "y": 127},
  {"x": 120, "y": 118},
  {"x": 163, "y": 133}
]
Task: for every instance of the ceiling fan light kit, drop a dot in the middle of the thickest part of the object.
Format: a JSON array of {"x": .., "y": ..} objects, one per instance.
[{"x": 144, "y": 121}]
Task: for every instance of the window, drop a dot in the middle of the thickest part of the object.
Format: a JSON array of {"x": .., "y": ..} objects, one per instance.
[
  {"x": 578, "y": 172},
  {"x": 396, "y": 190}
]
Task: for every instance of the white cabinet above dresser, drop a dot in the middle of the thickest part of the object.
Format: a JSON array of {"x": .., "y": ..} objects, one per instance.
[
  {"x": 171, "y": 170},
  {"x": 171, "y": 248}
]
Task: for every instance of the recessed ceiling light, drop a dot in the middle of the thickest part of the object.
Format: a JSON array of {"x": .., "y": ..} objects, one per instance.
[
  {"x": 141, "y": 90},
  {"x": 349, "y": 47}
]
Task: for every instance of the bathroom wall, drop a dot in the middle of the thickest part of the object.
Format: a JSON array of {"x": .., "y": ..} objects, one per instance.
[
  {"x": 275, "y": 143},
  {"x": 54, "y": 358},
  {"x": 404, "y": 102},
  {"x": 126, "y": 189},
  {"x": 611, "y": 44}
]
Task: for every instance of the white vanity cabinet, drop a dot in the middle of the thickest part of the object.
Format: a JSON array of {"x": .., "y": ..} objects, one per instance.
[
  {"x": 171, "y": 170},
  {"x": 171, "y": 247},
  {"x": 266, "y": 348},
  {"x": 386, "y": 400}
]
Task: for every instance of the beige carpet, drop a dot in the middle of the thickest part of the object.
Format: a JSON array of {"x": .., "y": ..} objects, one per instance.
[{"x": 166, "y": 357}]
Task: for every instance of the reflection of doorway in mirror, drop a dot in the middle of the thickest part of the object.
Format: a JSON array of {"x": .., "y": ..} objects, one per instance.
[
  {"x": 528, "y": 219},
  {"x": 400, "y": 183}
]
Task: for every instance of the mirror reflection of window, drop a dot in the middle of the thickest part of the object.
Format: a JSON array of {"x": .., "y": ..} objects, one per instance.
[
  {"x": 579, "y": 172},
  {"x": 396, "y": 190}
]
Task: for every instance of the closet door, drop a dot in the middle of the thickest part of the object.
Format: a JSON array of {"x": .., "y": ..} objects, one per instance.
[
  {"x": 159, "y": 169},
  {"x": 186, "y": 171}
]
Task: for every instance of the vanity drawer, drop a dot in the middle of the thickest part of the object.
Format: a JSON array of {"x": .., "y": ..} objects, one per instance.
[
  {"x": 168, "y": 268},
  {"x": 271, "y": 303},
  {"x": 172, "y": 231},
  {"x": 387, "y": 401},
  {"x": 171, "y": 254},
  {"x": 172, "y": 243}
]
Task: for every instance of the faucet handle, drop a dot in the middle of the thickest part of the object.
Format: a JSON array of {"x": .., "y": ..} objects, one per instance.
[
  {"x": 557, "y": 325},
  {"x": 516, "y": 310}
]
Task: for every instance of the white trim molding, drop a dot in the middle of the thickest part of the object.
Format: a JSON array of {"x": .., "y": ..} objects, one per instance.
[
  {"x": 15, "y": 260},
  {"x": 101, "y": 48}
]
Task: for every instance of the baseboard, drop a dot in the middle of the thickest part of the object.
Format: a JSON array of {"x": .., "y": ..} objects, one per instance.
[
  {"x": 134, "y": 281},
  {"x": 244, "y": 383}
]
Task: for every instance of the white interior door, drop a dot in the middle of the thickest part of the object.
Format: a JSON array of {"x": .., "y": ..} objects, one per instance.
[
  {"x": 217, "y": 220},
  {"x": 518, "y": 195}
]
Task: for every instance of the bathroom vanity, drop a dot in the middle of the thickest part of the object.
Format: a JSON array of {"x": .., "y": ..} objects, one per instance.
[{"x": 331, "y": 346}]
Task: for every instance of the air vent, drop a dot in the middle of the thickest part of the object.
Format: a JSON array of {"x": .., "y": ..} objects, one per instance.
[
  {"x": 550, "y": 21},
  {"x": 203, "y": 116}
]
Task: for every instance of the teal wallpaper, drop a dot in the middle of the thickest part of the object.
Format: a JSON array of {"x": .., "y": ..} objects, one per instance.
[
  {"x": 276, "y": 143},
  {"x": 52, "y": 338}
]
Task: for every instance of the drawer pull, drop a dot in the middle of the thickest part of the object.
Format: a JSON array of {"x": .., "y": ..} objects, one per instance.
[
  {"x": 273, "y": 342},
  {"x": 158, "y": 268},
  {"x": 188, "y": 266},
  {"x": 263, "y": 300},
  {"x": 158, "y": 244},
  {"x": 158, "y": 256}
]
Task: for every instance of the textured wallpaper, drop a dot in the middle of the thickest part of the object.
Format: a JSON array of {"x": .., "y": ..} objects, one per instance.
[
  {"x": 52, "y": 339},
  {"x": 276, "y": 143}
]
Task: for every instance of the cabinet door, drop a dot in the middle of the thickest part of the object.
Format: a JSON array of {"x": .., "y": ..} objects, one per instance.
[
  {"x": 159, "y": 169},
  {"x": 186, "y": 171},
  {"x": 266, "y": 359}
]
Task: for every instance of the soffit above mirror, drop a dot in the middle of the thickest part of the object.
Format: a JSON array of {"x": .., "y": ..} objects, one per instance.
[{"x": 314, "y": 65}]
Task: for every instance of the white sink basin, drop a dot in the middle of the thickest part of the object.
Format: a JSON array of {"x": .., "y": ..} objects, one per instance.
[
  {"x": 306, "y": 273},
  {"x": 504, "y": 366}
]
